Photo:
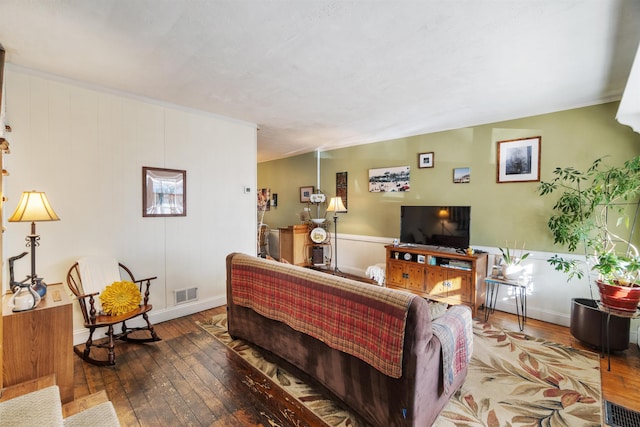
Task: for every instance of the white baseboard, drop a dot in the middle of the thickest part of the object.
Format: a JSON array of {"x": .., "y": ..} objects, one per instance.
[
  {"x": 157, "y": 316},
  {"x": 535, "y": 313}
]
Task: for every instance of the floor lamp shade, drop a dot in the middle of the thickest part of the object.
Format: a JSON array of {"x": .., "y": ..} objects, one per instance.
[{"x": 336, "y": 205}]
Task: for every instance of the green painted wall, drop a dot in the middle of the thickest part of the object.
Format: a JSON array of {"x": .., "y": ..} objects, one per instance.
[
  {"x": 500, "y": 212},
  {"x": 285, "y": 177}
]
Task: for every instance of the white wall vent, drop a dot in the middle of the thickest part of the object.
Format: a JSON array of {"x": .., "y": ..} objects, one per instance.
[{"x": 185, "y": 295}]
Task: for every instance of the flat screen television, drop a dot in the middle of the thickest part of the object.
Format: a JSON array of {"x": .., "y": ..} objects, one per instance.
[{"x": 446, "y": 226}]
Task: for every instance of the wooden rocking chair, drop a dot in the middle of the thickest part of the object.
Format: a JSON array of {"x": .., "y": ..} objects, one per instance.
[{"x": 94, "y": 320}]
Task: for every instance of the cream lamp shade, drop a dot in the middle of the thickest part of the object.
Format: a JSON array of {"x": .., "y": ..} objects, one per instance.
[
  {"x": 33, "y": 206},
  {"x": 336, "y": 205},
  {"x": 629, "y": 109}
]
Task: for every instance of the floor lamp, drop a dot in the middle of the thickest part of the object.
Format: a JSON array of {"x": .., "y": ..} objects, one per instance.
[{"x": 336, "y": 206}]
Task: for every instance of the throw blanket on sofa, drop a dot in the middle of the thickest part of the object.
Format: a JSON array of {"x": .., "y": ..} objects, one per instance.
[
  {"x": 359, "y": 319},
  {"x": 456, "y": 338}
]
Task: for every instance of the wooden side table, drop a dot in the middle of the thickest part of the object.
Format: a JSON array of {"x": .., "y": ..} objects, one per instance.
[{"x": 39, "y": 342}]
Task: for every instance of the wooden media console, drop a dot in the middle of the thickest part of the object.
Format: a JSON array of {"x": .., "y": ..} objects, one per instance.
[{"x": 438, "y": 274}]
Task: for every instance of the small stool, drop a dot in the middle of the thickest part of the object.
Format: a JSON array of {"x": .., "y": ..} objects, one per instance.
[{"x": 377, "y": 272}]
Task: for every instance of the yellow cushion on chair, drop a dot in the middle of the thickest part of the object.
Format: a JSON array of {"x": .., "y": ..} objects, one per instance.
[{"x": 120, "y": 298}]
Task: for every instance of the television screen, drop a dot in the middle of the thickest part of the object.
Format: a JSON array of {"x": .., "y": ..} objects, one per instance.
[{"x": 447, "y": 226}]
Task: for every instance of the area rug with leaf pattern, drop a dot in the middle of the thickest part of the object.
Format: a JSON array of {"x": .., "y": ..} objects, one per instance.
[{"x": 513, "y": 380}]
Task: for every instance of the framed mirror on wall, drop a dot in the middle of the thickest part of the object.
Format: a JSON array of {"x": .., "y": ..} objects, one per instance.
[{"x": 164, "y": 192}]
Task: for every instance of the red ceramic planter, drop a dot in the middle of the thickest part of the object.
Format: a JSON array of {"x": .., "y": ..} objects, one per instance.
[{"x": 625, "y": 298}]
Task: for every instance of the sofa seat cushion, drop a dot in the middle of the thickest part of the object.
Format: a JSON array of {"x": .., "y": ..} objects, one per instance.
[{"x": 363, "y": 320}]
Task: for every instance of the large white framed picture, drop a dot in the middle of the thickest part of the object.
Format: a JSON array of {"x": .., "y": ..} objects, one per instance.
[{"x": 519, "y": 160}]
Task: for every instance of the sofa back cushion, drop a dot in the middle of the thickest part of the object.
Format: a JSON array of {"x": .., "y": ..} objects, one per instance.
[{"x": 363, "y": 320}]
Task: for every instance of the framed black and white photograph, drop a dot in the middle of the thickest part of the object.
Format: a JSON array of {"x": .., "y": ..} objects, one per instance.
[
  {"x": 305, "y": 193},
  {"x": 462, "y": 175},
  {"x": 164, "y": 192},
  {"x": 519, "y": 160},
  {"x": 389, "y": 179},
  {"x": 425, "y": 160}
]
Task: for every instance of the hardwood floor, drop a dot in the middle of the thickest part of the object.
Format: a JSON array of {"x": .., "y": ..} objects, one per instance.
[{"x": 189, "y": 379}]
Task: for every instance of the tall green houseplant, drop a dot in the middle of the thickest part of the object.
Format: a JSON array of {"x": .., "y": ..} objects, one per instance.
[{"x": 593, "y": 206}]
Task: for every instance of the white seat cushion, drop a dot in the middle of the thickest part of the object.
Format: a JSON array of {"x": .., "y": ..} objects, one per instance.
[{"x": 96, "y": 273}]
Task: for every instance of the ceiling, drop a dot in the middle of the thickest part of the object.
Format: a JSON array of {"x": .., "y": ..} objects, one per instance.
[{"x": 322, "y": 74}]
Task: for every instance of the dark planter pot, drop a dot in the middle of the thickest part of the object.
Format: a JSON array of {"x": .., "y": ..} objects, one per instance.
[{"x": 587, "y": 325}]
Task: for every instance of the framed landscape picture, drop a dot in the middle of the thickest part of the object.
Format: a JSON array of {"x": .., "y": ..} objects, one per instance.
[
  {"x": 389, "y": 179},
  {"x": 519, "y": 160},
  {"x": 462, "y": 175}
]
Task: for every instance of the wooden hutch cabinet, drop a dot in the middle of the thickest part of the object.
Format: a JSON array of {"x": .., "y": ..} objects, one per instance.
[
  {"x": 438, "y": 274},
  {"x": 294, "y": 244}
]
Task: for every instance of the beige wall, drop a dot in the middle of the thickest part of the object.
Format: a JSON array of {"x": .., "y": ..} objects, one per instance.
[
  {"x": 86, "y": 148},
  {"x": 500, "y": 212}
]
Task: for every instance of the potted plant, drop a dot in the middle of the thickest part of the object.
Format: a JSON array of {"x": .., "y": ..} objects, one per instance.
[
  {"x": 511, "y": 261},
  {"x": 593, "y": 206}
]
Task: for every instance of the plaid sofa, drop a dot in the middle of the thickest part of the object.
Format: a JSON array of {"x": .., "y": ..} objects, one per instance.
[{"x": 372, "y": 347}]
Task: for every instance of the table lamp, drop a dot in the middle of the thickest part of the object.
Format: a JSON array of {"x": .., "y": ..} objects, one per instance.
[{"x": 33, "y": 206}]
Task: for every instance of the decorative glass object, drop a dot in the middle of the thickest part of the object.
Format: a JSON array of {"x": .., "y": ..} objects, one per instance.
[
  {"x": 39, "y": 286},
  {"x": 24, "y": 299}
]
